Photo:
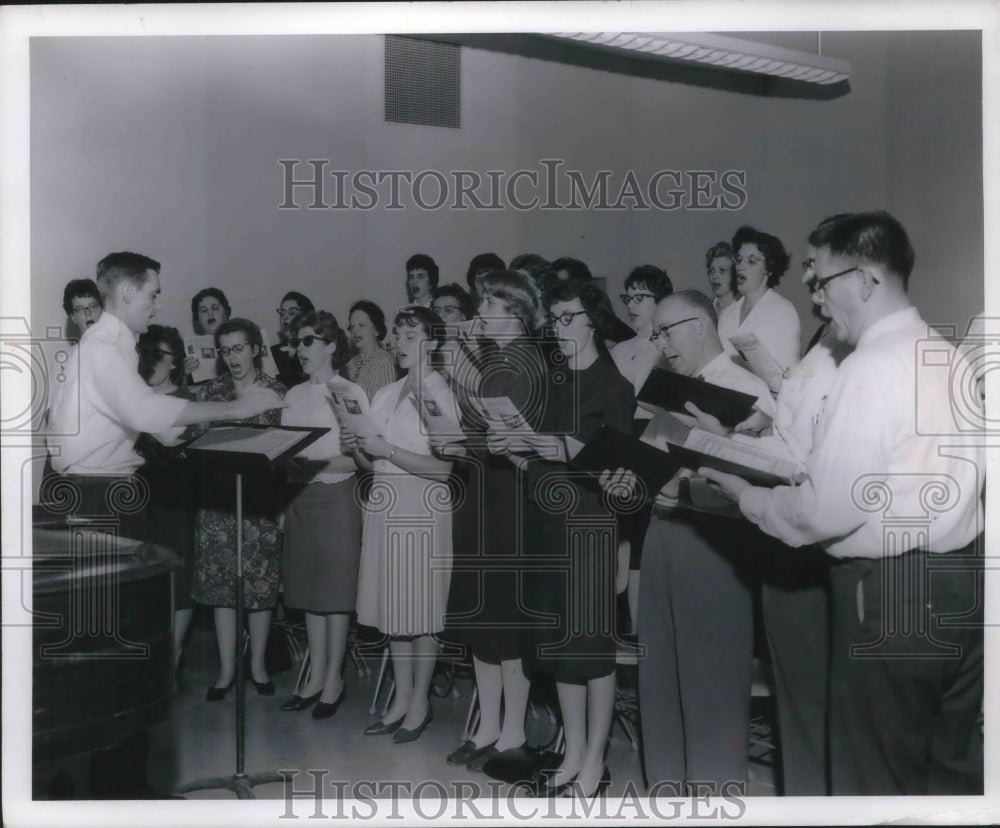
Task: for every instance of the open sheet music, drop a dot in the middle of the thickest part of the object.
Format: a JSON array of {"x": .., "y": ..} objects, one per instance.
[
  {"x": 437, "y": 419},
  {"x": 759, "y": 359},
  {"x": 268, "y": 441},
  {"x": 694, "y": 447},
  {"x": 203, "y": 349},
  {"x": 351, "y": 411}
]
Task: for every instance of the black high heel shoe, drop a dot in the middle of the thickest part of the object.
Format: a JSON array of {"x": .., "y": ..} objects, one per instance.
[
  {"x": 381, "y": 728},
  {"x": 215, "y": 694},
  {"x": 324, "y": 710},
  {"x": 405, "y": 735},
  {"x": 264, "y": 688},
  {"x": 297, "y": 702}
]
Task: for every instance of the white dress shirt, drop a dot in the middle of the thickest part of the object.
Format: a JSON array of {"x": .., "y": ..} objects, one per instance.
[
  {"x": 103, "y": 405},
  {"x": 723, "y": 371},
  {"x": 308, "y": 406},
  {"x": 880, "y": 460},
  {"x": 775, "y": 322},
  {"x": 635, "y": 359},
  {"x": 800, "y": 401}
]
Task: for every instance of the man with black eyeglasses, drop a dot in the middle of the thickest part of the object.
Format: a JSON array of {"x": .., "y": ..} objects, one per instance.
[
  {"x": 695, "y": 619},
  {"x": 893, "y": 494}
]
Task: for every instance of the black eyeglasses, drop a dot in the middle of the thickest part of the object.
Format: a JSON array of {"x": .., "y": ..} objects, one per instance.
[
  {"x": 226, "y": 350},
  {"x": 162, "y": 353},
  {"x": 289, "y": 311},
  {"x": 307, "y": 341},
  {"x": 635, "y": 298},
  {"x": 664, "y": 330},
  {"x": 93, "y": 307},
  {"x": 816, "y": 285},
  {"x": 565, "y": 319}
]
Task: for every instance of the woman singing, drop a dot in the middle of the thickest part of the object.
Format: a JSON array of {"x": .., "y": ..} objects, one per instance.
[{"x": 323, "y": 521}]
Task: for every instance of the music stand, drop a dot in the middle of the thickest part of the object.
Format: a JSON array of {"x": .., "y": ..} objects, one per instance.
[{"x": 244, "y": 449}]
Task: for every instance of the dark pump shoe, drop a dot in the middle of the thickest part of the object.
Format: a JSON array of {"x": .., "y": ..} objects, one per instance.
[
  {"x": 381, "y": 728},
  {"x": 296, "y": 702},
  {"x": 215, "y": 694},
  {"x": 467, "y": 753},
  {"x": 520, "y": 764},
  {"x": 264, "y": 688},
  {"x": 324, "y": 710},
  {"x": 403, "y": 735}
]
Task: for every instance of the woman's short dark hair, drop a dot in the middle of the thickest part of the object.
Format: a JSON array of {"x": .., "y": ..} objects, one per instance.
[
  {"x": 575, "y": 269},
  {"x": 483, "y": 263},
  {"x": 374, "y": 313},
  {"x": 79, "y": 289},
  {"x": 459, "y": 294},
  {"x": 594, "y": 300},
  {"x": 776, "y": 258},
  {"x": 421, "y": 261},
  {"x": 518, "y": 292},
  {"x": 325, "y": 325},
  {"x": 652, "y": 278},
  {"x": 202, "y": 294},
  {"x": 413, "y": 316},
  {"x": 303, "y": 301},
  {"x": 149, "y": 353},
  {"x": 250, "y": 330}
]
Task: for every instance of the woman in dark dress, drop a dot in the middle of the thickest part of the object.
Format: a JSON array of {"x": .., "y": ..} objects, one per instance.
[
  {"x": 570, "y": 535},
  {"x": 173, "y": 490},
  {"x": 484, "y": 600}
]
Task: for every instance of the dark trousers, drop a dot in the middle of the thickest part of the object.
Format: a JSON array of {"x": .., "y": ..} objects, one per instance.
[
  {"x": 907, "y": 675},
  {"x": 117, "y": 771},
  {"x": 795, "y": 599},
  {"x": 119, "y": 501},
  {"x": 696, "y": 625}
]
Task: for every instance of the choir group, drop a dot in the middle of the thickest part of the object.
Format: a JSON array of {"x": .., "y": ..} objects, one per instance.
[{"x": 445, "y": 504}]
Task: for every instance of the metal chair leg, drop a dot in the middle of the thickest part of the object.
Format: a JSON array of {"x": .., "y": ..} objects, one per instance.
[{"x": 472, "y": 719}]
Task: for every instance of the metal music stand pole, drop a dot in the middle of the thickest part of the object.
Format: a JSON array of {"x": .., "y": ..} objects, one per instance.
[{"x": 240, "y": 783}]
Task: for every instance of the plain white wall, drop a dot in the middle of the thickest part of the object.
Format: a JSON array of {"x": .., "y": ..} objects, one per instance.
[{"x": 169, "y": 146}]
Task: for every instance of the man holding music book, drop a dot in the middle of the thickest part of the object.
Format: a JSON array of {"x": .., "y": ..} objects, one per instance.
[
  {"x": 906, "y": 671},
  {"x": 695, "y": 609}
]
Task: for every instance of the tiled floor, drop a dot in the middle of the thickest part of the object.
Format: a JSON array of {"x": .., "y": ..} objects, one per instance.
[{"x": 198, "y": 740}]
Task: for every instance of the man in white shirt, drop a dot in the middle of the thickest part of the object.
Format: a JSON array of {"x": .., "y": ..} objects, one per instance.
[
  {"x": 892, "y": 486},
  {"x": 695, "y": 607},
  {"x": 94, "y": 420},
  {"x": 103, "y": 405}
]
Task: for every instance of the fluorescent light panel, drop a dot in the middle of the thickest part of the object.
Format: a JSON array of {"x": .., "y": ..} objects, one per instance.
[{"x": 722, "y": 52}]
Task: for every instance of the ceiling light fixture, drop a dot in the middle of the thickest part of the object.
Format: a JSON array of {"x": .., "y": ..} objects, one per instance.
[{"x": 719, "y": 51}]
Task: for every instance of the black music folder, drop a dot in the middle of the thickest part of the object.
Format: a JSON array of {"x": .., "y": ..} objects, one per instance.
[
  {"x": 612, "y": 449},
  {"x": 668, "y": 391}
]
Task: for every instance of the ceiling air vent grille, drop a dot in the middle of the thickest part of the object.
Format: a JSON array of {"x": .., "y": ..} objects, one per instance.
[{"x": 423, "y": 82}]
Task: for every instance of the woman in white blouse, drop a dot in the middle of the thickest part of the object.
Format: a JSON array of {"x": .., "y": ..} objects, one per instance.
[
  {"x": 322, "y": 544},
  {"x": 761, "y": 260},
  {"x": 407, "y": 539}
]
